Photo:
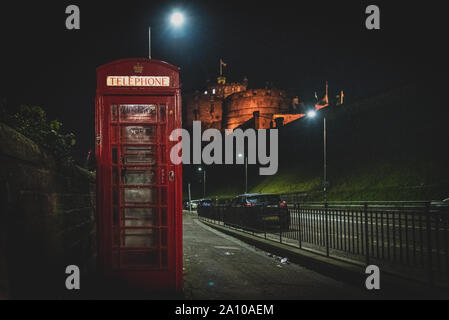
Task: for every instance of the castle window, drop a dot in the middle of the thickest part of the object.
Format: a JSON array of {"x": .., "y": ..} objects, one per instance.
[
  {"x": 212, "y": 108},
  {"x": 213, "y": 91}
]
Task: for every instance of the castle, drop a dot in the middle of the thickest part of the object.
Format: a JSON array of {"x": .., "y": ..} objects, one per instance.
[{"x": 225, "y": 105}]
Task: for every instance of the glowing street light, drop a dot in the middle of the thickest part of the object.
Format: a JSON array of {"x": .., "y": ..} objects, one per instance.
[
  {"x": 246, "y": 171},
  {"x": 177, "y": 19},
  {"x": 311, "y": 113},
  {"x": 200, "y": 169}
]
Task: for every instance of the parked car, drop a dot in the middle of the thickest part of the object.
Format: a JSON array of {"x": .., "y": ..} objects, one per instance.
[
  {"x": 206, "y": 207},
  {"x": 194, "y": 204},
  {"x": 440, "y": 207},
  {"x": 258, "y": 211}
]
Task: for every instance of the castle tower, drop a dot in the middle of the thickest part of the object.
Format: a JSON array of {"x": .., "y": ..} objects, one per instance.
[{"x": 221, "y": 80}]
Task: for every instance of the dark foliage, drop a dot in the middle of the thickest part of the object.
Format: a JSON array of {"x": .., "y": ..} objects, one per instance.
[{"x": 32, "y": 122}]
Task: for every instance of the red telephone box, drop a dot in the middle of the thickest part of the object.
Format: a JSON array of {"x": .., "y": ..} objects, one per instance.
[{"x": 139, "y": 190}]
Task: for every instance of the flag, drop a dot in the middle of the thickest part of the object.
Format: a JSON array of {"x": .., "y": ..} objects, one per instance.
[
  {"x": 222, "y": 64},
  {"x": 323, "y": 102}
]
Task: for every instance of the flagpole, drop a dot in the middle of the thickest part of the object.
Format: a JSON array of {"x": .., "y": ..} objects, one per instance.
[
  {"x": 149, "y": 42},
  {"x": 221, "y": 69}
]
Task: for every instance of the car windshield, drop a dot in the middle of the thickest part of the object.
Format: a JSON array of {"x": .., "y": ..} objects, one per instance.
[
  {"x": 255, "y": 200},
  {"x": 206, "y": 203},
  {"x": 264, "y": 199}
]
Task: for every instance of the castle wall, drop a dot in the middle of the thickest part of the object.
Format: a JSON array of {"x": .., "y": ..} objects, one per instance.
[
  {"x": 205, "y": 108},
  {"x": 227, "y": 106},
  {"x": 239, "y": 107},
  {"x": 223, "y": 91}
]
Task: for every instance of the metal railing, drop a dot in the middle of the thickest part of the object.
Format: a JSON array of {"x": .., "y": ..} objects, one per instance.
[{"x": 406, "y": 237}]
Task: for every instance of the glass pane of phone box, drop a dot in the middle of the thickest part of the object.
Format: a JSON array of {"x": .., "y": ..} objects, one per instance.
[
  {"x": 138, "y": 112},
  {"x": 139, "y": 176},
  {"x": 139, "y": 134},
  {"x": 140, "y": 155},
  {"x": 140, "y": 195}
]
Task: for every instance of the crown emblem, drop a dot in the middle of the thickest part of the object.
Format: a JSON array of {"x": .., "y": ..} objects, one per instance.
[{"x": 138, "y": 68}]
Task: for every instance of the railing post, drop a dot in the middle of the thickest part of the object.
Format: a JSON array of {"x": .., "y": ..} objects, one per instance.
[
  {"x": 365, "y": 213},
  {"x": 298, "y": 212},
  {"x": 326, "y": 216},
  {"x": 265, "y": 229},
  {"x": 280, "y": 228},
  {"x": 222, "y": 213},
  {"x": 216, "y": 214},
  {"x": 429, "y": 243}
]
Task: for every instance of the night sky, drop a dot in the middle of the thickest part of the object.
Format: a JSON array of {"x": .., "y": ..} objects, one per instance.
[{"x": 296, "y": 45}]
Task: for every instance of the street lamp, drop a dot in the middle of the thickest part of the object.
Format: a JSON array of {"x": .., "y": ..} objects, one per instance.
[
  {"x": 312, "y": 114},
  {"x": 246, "y": 171},
  {"x": 200, "y": 169},
  {"x": 176, "y": 19}
]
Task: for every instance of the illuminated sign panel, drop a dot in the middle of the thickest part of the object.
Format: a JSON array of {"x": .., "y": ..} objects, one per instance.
[{"x": 137, "y": 81}]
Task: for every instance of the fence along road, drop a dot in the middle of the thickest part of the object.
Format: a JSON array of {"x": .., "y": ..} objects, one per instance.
[{"x": 409, "y": 238}]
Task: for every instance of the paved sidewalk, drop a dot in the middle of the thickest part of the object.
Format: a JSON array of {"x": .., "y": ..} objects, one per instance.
[{"x": 218, "y": 266}]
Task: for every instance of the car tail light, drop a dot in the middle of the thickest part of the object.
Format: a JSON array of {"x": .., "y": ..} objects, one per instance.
[
  {"x": 283, "y": 204},
  {"x": 249, "y": 204}
]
